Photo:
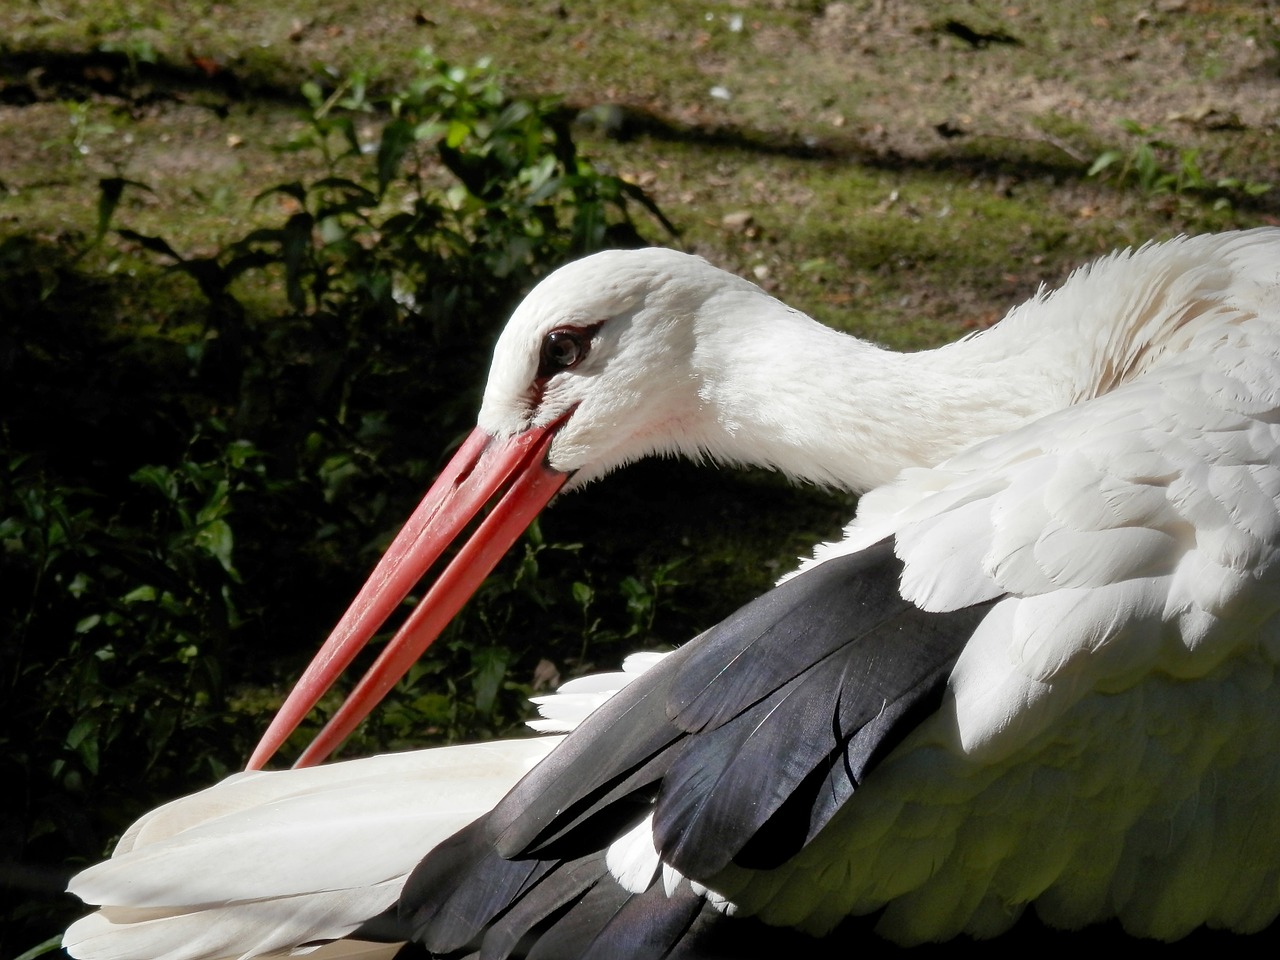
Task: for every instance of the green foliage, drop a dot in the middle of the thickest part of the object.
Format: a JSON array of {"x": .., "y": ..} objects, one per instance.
[
  {"x": 1156, "y": 165},
  {"x": 39, "y": 950},
  {"x": 462, "y": 197},
  {"x": 123, "y": 613},
  {"x": 642, "y": 602},
  {"x": 202, "y": 455},
  {"x": 84, "y": 128}
]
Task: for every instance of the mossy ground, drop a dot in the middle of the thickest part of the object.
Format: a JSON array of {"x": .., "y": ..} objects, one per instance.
[{"x": 917, "y": 165}]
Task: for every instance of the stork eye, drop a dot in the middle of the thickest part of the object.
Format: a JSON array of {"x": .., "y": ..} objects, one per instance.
[{"x": 563, "y": 349}]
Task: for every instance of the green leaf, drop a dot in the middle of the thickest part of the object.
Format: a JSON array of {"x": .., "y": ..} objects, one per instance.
[
  {"x": 490, "y": 667},
  {"x": 295, "y": 246},
  {"x": 1105, "y": 159},
  {"x": 81, "y": 730},
  {"x": 457, "y": 135},
  {"x": 397, "y": 137},
  {"x": 51, "y": 945},
  {"x": 154, "y": 244},
  {"x": 215, "y": 538},
  {"x": 143, "y": 594},
  {"x": 110, "y": 190},
  {"x": 294, "y": 189}
]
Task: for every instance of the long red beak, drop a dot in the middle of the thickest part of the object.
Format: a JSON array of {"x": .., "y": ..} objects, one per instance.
[{"x": 481, "y": 468}]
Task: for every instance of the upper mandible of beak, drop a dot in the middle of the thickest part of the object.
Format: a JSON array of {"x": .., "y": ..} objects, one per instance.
[{"x": 483, "y": 468}]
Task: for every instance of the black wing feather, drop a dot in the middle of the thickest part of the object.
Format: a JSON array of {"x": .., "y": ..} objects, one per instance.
[
  {"x": 617, "y": 751},
  {"x": 744, "y": 744},
  {"x": 649, "y": 925},
  {"x": 569, "y": 907},
  {"x": 443, "y": 906},
  {"x": 571, "y": 933},
  {"x": 885, "y": 668},
  {"x": 781, "y": 634}
]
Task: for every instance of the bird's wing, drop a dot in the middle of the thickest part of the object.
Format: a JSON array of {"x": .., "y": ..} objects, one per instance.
[
  {"x": 736, "y": 749},
  {"x": 1133, "y": 534},
  {"x": 268, "y": 861},
  {"x": 1104, "y": 581},
  {"x": 284, "y": 860},
  {"x": 1107, "y": 743}
]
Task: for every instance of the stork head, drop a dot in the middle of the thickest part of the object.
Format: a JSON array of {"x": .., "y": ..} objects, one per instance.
[
  {"x": 605, "y": 349},
  {"x": 598, "y": 366}
]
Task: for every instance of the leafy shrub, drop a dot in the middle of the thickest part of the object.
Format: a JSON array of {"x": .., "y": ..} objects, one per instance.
[{"x": 1156, "y": 165}]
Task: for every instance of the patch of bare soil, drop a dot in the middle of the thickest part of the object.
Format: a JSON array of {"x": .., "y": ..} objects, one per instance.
[{"x": 929, "y": 75}]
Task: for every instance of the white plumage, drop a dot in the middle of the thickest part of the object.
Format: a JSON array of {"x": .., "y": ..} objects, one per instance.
[
  {"x": 266, "y": 861},
  {"x": 1102, "y": 469}
]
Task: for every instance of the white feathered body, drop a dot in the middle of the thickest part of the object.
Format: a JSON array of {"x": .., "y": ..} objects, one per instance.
[
  {"x": 1110, "y": 742},
  {"x": 1104, "y": 465}
]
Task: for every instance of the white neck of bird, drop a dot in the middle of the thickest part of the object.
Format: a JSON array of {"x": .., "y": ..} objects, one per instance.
[
  {"x": 823, "y": 406},
  {"x": 787, "y": 393}
]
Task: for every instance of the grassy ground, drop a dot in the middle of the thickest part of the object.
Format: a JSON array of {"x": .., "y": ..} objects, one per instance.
[
  {"x": 909, "y": 170},
  {"x": 904, "y": 171}
]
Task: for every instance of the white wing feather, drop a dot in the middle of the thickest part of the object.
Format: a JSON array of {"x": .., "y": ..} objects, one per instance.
[{"x": 236, "y": 870}]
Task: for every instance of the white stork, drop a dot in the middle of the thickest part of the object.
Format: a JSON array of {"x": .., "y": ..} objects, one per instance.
[{"x": 1039, "y": 670}]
